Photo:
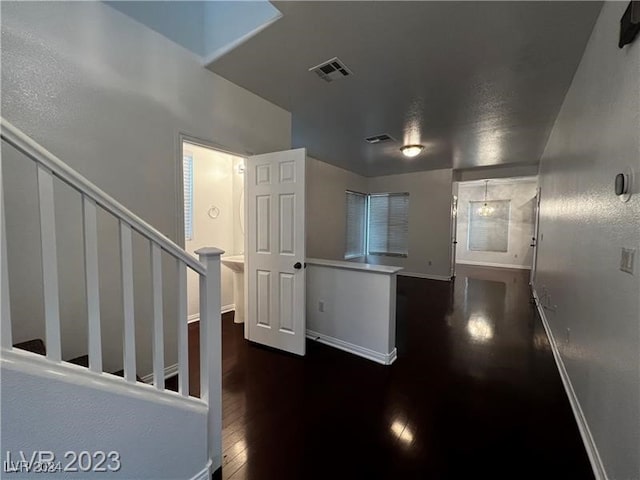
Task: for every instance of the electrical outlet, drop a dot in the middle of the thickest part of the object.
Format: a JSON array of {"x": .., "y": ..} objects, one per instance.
[
  {"x": 627, "y": 260},
  {"x": 321, "y": 306}
]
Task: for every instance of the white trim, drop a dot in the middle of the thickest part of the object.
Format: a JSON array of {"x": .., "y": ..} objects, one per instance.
[
  {"x": 383, "y": 358},
  {"x": 492, "y": 264},
  {"x": 37, "y": 365},
  {"x": 225, "y": 309},
  {"x": 590, "y": 446},
  {"x": 204, "y": 474},
  {"x": 365, "y": 267},
  {"x": 499, "y": 181},
  {"x": 428, "y": 276},
  {"x": 169, "y": 371}
]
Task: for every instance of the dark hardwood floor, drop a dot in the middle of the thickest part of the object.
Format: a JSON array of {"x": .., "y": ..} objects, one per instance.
[{"x": 474, "y": 394}]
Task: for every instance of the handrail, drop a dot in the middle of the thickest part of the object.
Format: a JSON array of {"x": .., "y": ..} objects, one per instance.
[{"x": 38, "y": 153}]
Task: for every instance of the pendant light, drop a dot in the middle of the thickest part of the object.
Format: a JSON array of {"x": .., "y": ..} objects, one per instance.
[{"x": 485, "y": 210}]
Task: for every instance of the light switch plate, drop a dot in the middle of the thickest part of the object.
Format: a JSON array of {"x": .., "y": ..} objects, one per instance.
[{"x": 627, "y": 260}]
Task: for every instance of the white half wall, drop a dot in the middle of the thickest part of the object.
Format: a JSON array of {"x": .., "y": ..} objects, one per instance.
[
  {"x": 592, "y": 307},
  {"x": 353, "y": 307},
  {"x": 522, "y": 195},
  {"x": 48, "y": 406},
  {"x": 109, "y": 97}
]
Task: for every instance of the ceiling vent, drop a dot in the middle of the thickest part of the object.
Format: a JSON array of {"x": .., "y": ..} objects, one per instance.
[
  {"x": 331, "y": 70},
  {"x": 379, "y": 138}
]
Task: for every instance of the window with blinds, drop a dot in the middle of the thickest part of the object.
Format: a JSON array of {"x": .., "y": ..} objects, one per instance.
[
  {"x": 187, "y": 178},
  {"x": 356, "y": 225},
  {"x": 489, "y": 232},
  {"x": 389, "y": 224}
]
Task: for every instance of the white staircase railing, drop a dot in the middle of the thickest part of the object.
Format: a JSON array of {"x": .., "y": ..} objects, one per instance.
[{"x": 208, "y": 269}]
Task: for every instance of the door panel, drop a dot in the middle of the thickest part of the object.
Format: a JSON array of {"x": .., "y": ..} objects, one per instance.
[{"x": 275, "y": 250}]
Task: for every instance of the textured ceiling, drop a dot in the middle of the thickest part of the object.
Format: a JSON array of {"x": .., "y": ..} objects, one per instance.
[{"x": 477, "y": 83}]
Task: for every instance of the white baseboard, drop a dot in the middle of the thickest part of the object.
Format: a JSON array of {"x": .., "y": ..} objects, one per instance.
[
  {"x": 590, "y": 445},
  {"x": 169, "y": 371},
  {"x": 490, "y": 264},
  {"x": 204, "y": 474},
  {"x": 424, "y": 275},
  {"x": 382, "y": 358},
  {"x": 225, "y": 309}
]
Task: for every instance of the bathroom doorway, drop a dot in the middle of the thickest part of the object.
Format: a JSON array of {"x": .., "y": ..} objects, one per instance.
[{"x": 211, "y": 206}]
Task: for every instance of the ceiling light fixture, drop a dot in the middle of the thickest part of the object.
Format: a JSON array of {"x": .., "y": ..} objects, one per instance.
[
  {"x": 485, "y": 210},
  {"x": 411, "y": 150}
]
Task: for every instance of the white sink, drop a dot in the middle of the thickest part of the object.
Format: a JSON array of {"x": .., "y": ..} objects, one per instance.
[{"x": 236, "y": 264}]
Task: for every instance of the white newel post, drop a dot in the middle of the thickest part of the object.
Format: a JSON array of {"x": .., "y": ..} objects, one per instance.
[{"x": 211, "y": 349}]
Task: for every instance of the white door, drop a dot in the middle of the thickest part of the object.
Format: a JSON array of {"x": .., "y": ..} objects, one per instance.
[
  {"x": 275, "y": 250},
  {"x": 534, "y": 239}
]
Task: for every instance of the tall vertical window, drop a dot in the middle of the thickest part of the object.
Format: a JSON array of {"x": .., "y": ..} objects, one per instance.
[
  {"x": 389, "y": 224},
  {"x": 356, "y": 225},
  {"x": 187, "y": 178},
  {"x": 489, "y": 228},
  {"x": 377, "y": 224}
]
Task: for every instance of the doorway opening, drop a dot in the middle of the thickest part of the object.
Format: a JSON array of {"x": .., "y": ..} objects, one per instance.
[
  {"x": 495, "y": 223},
  {"x": 212, "y": 204}
]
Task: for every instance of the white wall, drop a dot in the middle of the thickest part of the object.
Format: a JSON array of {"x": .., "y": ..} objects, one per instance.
[
  {"x": 45, "y": 408},
  {"x": 583, "y": 226},
  {"x": 429, "y": 215},
  {"x": 359, "y": 309},
  {"x": 326, "y": 208},
  {"x": 110, "y": 97},
  {"x": 522, "y": 194},
  {"x": 214, "y": 184},
  {"x": 429, "y": 221}
]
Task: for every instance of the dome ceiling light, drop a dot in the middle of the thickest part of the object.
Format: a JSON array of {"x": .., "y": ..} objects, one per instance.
[{"x": 411, "y": 150}]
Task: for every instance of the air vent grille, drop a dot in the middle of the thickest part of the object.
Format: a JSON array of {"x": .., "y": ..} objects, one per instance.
[
  {"x": 384, "y": 137},
  {"x": 331, "y": 70}
]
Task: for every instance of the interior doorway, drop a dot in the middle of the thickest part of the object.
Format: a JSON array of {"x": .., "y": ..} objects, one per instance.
[
  {"x": 211, "y": 206},
  {"x": 495, "y": 221}
]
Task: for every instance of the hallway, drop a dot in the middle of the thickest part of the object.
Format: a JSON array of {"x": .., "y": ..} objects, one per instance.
[{"x": 474, "y": 393}]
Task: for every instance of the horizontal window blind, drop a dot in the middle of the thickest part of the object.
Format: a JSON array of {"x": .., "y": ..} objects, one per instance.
[
  {"x": 356, "y": 225},
  {"x": 389, "y": 224},
  {"x": 489, "y": 233},
  {"x": 187, "y": 177}
]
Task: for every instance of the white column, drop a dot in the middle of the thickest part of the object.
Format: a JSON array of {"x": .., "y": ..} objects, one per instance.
[
  {"x": 128, "y": 309},
  {"x": 90, "y": 214},
  {"x": 211, "y": 350},
  {"x": 49, "y": 264},
  {"x": 5, "y": 308},
  {"x": 183, "y": 332},
  {"x": 158, "y": 318}
]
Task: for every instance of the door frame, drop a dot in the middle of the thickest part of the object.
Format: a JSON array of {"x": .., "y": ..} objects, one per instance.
[
  {"x": 535, "y": 239},
  {"x": 183, "y": 138},
  {"x": 454, "y": 229}
]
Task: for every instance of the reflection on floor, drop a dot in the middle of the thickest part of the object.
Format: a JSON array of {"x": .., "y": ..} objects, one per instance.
[{"x": 474, "y": 394}]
